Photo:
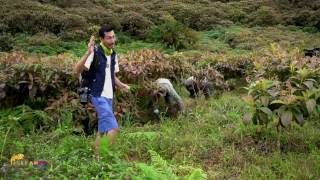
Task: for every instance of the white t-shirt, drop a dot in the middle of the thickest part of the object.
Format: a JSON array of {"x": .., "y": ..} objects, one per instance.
[{"x": 107, "y": 89}]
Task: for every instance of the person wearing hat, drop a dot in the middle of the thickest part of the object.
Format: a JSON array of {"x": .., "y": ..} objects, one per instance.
[
  {"x": 164, "y": 89},
  {"x": 194, "y": 86}
]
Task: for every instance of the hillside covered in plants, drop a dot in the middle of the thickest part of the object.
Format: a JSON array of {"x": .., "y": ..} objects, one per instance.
[{"x": 261, "y": 122}]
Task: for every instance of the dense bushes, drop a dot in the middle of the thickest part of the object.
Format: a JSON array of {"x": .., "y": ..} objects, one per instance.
[
  {"x": 174, "y": 34},
  {"x": 6, "y": 42},
  {"x": 71, "y": 20},
  {"x": 308, "y": 18},
  {"x": 284, "y": 89},
  {"x": 199, "y": 17},
  {"x": 48, "y": 82},
  {"x": 32, "y": 17},
  {"x": 135, "y": 23},
  {"x": 97, "y": 16},
  {"x": 26, "y": 78},
  {"x": 265, "y": 16}
]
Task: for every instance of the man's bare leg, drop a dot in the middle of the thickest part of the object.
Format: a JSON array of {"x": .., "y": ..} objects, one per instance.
[
  {"x": 112, "y": 134},
  {"x": 97, "y": 145}
]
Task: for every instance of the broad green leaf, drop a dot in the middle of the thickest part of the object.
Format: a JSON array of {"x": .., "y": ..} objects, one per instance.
[
  {"x": 286, "y": 118},
  {"x": 266, "y": 111},
  {"x": 277, "y": 102},
  {"x": 299, "y": 119},
  {"x": 247, "y": 118},
  {"x": 249, "y": 100},
  {"x": 304, "y": 73},
  {"x": 311, "y": 104},
  {"x": 266, "y": 84},
  {"x": 264, "y": 100},
  {"x": 23, "y": 82},
  {"x": 309, "y": 84},
  {"x": 310, "y": 79}
]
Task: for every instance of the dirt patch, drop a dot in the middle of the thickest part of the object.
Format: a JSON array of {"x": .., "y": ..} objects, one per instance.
[
  {"x": 212, "y": 157},
  {"x": 249, "y": 143}
]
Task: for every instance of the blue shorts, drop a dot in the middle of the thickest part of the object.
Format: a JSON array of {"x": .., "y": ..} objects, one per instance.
[{"x": 106, "y": 119}]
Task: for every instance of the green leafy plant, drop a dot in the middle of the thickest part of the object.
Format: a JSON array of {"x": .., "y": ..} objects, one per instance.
[
  {"x": 283, "y": 102},
  {"x": 161, "y": 169},
  {"x": 174, "y": 34}
]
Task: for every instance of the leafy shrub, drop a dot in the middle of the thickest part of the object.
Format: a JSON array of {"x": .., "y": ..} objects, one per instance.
[
  {"x": 160, "y": 169},
  {"x": 73, "y": 35},
  {"x": 266, "y": 16},
  {"x": 229, "y": 65},
  {"x": 304, "y": 17},
  {"x": 6, "y": 42},
  {"x": 142, "y": 68},
  {"x": 136, "y": 18},
  {"x": 42, "y": 39},
  {"x": 237, "y": 15},
  {"x": 149, "y": 65},
  {"x": 135, "y": 23},
  {"x": 49, "y": 44},
  {"x": 285, "y": 90},
  {"x": 174, "y": 34},
  {"x": 27, "y": 120},
  {"x": 200, "y": 17},
  {"x": 98, "y": 16},
  {"x": 275, "y": 63},
  {"x": 32, "y": 17},
  {"x": 27, "y": 77},
  {"x": 300, "y": 19},
  {"x": 33, "y": 21}
]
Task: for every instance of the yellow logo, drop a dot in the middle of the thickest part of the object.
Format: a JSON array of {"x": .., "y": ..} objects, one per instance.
[
  {"x": 18, "y": 160},
  {"x": 16, "y": 157}
]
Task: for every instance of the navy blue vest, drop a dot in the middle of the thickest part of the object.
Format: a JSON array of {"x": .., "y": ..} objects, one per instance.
[{"x": 97, "y": 72}]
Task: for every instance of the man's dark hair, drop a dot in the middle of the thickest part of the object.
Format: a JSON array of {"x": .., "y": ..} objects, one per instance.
[{"x": 103, "y": 30}]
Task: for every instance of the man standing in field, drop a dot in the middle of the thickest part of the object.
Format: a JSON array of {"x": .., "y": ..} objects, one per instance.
[{"x": 100, "y": 64}]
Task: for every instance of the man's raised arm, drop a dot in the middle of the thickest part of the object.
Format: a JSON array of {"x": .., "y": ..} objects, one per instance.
[{"x": 79, "y": 67}]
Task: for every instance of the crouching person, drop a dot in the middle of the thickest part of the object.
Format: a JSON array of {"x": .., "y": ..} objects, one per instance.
[
  {"x": 173, "y": 101},
  {"x": 195, "y": 86}
]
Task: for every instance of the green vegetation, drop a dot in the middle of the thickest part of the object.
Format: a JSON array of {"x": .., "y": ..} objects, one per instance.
[
  {"x": 72, "y": 19},
  {"x": 208, "y": 141},
  {"x": 174, "y": 34},
  {"x": 252, "y": 51},
  {"x": 51, "y": 44},
  {"x": 209, "y": 136}
]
